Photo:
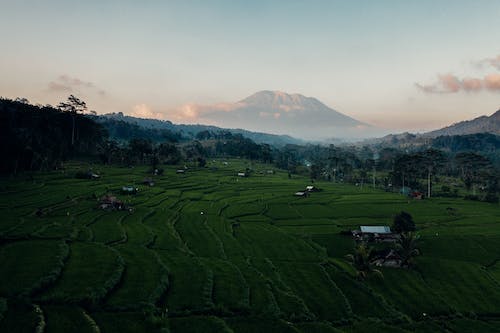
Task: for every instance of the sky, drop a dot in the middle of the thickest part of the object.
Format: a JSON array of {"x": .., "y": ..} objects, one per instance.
[{"x": 402, "y": 65}]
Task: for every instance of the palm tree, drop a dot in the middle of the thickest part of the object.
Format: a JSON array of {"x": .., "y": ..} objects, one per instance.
[
  {"x": 360, "y": 260},
  {"x": 407, "y": 248}
]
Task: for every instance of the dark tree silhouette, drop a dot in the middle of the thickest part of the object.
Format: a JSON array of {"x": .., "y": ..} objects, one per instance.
[
  {"x": 407, "y": 248},
  {"x": 361, "y": 261},
  {"x": 403, "y": 222},
  {"x": 73, "y": 106}
]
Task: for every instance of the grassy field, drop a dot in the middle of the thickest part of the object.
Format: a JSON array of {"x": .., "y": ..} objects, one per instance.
[{"x": 207, "y": 251}]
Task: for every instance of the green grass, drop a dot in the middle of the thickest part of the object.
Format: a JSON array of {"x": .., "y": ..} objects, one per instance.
[
  {"x": 91, "y": 271},
  {"x": 28, "y": 266},
  {"x": 129, "y": 322},
  {"x": 138, "y": 289},
  {"x": 190, "y": 284},
  {"x": 62, "y": 319},
  {"x": 210, "y": 252},
  {"x": 199, "y": 324}
]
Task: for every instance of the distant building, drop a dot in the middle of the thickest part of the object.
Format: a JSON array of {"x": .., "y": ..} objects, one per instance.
[
  {"x": 242, "y": 174},
  {"x": 417, "y": 195},
  {"x": 391, "y": 259},
  {"x": 368, "y": 229},
  {"x": 311, "y": 188},
  {"x": 129, "y": 190},
  {"x": 375, "y": 233},
  {"x": 181, "y": 171},
  {"x": 300, "y": 194}
]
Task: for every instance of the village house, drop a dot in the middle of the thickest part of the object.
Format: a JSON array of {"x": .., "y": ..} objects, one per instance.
[
  {"x": 311, "y": 188},
  {"x": 110, "y": 202},
  {"x": 390, "y": 259},
  {"x": 129, "y": 189},
  {"x": 375, "y": 233}
]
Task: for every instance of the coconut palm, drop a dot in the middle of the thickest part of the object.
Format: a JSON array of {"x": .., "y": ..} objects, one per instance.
[
  {"x": 360, "y": 260},
  {"x": 407, "y": 248}
]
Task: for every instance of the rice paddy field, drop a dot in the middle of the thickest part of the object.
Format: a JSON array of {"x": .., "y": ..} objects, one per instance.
[{"x": 208, "y": 251}]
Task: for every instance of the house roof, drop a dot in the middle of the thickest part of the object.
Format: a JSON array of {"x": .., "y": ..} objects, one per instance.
[{"x": 382, "y": 229}]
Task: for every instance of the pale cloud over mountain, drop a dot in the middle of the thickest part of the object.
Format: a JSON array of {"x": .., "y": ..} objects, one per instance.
[{"x": 450, "y": 83}]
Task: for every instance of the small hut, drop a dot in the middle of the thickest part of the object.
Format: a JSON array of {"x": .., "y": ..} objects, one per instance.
[
  {"x": 110, "y": 202},
  {"x": 129, "y": 189}
]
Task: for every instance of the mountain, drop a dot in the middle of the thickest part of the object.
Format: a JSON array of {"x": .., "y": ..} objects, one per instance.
[
  {"x": 278, "y": 112},
  {"x": 483, "y": 124},
  {"x": 162, "y": 128}
]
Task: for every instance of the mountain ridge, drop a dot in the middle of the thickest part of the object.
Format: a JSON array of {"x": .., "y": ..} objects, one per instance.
[
  {"x": 482, "y": 124},
  {"x": 278, "y": 112}
]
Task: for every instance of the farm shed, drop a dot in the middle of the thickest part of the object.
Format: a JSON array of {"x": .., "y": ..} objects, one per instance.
[
  {"x": 300, "y": 194},
  {"x": 375, "y": 233},
  {"x": 129, "y": 189},
  {"x": 391, "y": 259},
  {"x": 110, "y": 202},
  {"x": 180, "y": 171},
  {"x": 417, "y": 195},
  {"x": 375, "y": 229},
  {"x": 242, "y": 174},
  {"x": 311, "y": 188}
]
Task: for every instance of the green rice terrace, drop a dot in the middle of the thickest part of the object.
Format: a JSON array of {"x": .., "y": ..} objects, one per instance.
[{"x": 206, "y": 250}]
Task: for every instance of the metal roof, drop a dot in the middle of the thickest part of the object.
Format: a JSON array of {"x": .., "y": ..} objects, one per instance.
[{"x": 382, "y": 229}]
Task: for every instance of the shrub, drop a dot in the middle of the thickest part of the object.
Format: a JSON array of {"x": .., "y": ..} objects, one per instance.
[{"x": 403, "y": 222}]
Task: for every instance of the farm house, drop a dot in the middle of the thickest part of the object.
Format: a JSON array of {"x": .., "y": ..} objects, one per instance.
[
  {"x": 375, "y": 233},
  {"x": 391, "y": 259},
  {"x": 311, "y": 188},
  {"x": 110, "y": 202},
  {"x": 129, "y": 189}
]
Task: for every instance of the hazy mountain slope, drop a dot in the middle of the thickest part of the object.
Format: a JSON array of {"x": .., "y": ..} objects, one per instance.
[
  {"x": 294, "y": 114},
  {"x": 483, "y": 124}
]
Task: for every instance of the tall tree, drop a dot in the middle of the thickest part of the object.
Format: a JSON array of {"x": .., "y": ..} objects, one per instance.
[
  {"x": 403, "y": 222},
  {"x": 433, "y": 160},
  {"x": 472, "y": 167},
  {"x": 73, "y": 105}
]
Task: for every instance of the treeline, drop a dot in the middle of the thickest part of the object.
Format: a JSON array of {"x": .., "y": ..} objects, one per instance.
[
  {"x": 36, "y": 137},
  {"x": 42, "y": 137},
  {"x": 395, "y": 169},
  {"x": 123, "y": 131}
]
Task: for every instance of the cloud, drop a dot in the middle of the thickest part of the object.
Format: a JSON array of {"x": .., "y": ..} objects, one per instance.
[
  {"x": 144, "y": 111},
  {"x": 59, "y": 87},
  {"x": 449, "y": 83},
  {"x": 492, "y": 82},
  {"x": 66, "y": 83},
  {"x": 193, "y": 113},
  {"x": 493, "y": 62}
]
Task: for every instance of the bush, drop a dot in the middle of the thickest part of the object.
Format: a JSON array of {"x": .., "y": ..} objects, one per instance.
[{"x": 403, "y": 222}]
